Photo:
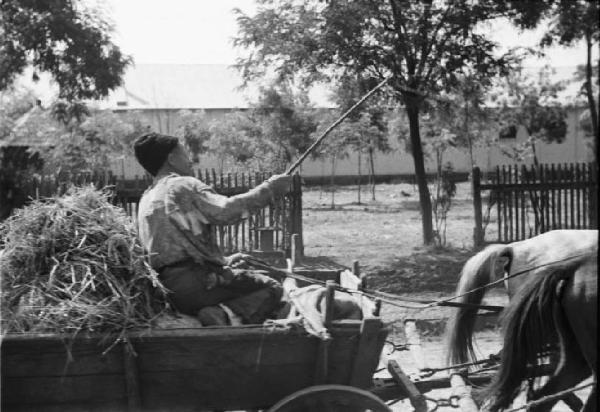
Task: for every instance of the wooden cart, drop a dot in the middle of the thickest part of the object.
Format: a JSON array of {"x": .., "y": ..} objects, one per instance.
[
  {"x": 245, "y": 367},
  {"x": 211, "y": 368}
]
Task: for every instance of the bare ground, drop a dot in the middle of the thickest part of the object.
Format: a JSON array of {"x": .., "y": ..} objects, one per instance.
[{"x": 385, "y": 236}]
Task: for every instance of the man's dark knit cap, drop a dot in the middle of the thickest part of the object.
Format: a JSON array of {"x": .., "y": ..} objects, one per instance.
[{"x": 152, "y": 150}]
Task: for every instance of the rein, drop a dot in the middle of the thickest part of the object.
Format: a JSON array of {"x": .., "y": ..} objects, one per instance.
[{"x": 392, "y": 299}]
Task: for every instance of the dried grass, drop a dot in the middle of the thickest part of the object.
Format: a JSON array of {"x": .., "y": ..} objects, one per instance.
[{"x": 74, "y": 264}]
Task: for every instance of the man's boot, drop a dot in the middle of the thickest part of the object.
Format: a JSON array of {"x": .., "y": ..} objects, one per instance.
[{"x": 213, "y": 316}]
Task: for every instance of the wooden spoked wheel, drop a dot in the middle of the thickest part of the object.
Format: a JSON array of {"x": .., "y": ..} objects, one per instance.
[{"x": 331, "y": 398}]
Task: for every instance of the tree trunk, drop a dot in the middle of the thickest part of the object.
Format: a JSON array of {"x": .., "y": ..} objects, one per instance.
[
  {"x": 331, "y": 182},
  {"x": 221, "y": 164},
  {"x": 467, "y": 134},
  {"x": 417, "y": 152},
  {"x": 359, "y": 176},
  {"x": 590, "y": 92},
  {"x": 538, "y": 204},
  {"x": 322, "y": 185},
  {"x": 372, "y": 165},
  {"x": 536, "y": 161}
]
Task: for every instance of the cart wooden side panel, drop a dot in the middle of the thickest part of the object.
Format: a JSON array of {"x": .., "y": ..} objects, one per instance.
[{"x": 221, "y": 368}]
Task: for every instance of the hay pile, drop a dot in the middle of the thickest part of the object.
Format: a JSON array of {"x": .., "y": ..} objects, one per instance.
[{"x": 74, "y": 264}]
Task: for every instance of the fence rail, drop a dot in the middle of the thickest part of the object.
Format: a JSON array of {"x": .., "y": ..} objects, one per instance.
[
  {"x": 266, "y": 229},
  {"x": 525, "y": 201}
]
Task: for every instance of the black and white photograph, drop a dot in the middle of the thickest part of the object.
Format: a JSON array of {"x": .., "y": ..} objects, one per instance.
[{"x": 299, "y": 205}]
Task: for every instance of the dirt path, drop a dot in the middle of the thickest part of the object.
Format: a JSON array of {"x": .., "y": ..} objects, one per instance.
[{"x": 488, "y": 342}]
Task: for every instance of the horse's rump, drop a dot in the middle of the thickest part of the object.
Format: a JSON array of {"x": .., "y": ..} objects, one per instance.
[{"x": 539, "y": 317}]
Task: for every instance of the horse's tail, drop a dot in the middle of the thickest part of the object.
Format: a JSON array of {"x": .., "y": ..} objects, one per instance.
[
  {"x": 477, "y": 272},
  {"x": 533, "y": 322}
]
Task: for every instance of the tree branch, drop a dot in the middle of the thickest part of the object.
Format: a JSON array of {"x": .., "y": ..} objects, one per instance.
[
  {"x": 434, "y": 61},
  {"x": 430, "y": 44},
  {"x": 410, "y": 63}
]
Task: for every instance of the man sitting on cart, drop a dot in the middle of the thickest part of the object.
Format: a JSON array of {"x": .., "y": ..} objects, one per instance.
[{"x": 174, "y": 220}]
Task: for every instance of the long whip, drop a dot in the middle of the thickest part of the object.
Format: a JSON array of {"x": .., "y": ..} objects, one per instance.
[{"x": 312, "y": 147}]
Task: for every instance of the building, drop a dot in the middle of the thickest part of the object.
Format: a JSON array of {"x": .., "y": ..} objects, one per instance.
[{"x": 158, "y": 93}]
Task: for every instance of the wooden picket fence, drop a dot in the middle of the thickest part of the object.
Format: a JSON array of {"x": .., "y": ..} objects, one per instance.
[
  {"x": 266, "y": 230},
  {"x": 523, "y": 202}
]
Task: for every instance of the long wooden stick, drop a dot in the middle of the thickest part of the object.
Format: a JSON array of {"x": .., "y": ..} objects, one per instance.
[{"x": 330, "y": 128}]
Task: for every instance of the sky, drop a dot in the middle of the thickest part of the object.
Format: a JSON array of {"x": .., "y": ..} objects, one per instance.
[
  {"x": 177, "y": 31},
  {"x": 200, "y": 32}
]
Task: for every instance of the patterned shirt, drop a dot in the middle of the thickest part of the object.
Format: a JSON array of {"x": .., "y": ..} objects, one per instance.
[{"x": 176, "y": 213}]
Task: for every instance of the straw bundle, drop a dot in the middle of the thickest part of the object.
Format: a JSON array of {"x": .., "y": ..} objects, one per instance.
[{"x": 74, "y": 264}]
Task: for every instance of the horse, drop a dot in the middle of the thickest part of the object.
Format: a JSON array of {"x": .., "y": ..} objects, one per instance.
[
  {"x": 558, "y": 307},
  {"x": 515, "y": 263}
]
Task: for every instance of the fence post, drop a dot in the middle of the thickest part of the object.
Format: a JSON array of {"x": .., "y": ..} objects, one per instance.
[
  {"x": 297, "y": 213},
  {"x": 476, "y": 192},
  {"x": 593, "y": 202}
]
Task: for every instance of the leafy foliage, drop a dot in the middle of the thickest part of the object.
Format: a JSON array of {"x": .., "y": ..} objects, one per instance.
[
  {"x": 464, "y": 113},
  {"x": 194, "y": 130},
  {"x": 531, "y": 102},
  {"x": 568, "y": 22},
  {"x": 91, "y": 144},
  {"x": 581, "y": 74},
  {"x": 16, "y": 162},
  {"x": 14, "y": 103},
  {"x": 65, "y": 38},
  {"x": 236, "y": 137},
  {"x": 369, "y": 120},
  {"x": 286, "y": 121}
]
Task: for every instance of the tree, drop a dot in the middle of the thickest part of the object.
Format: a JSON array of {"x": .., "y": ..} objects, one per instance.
[
  {"x": 195, "y": 132},
  {"x": 366, "y": 139},
  {"x": 286, "y": 120},
  {"x": 422, "y": 45},
  {"x": 335, "y": 147},
  {"x": 368, "y": 133},
  {"x": 65, "y": 38},
  {"x": 439, "y": 140},
  {"x": 236, "y": 138},
  {"x": 531, "y": 102},
  {"x": 436, "y": 130},
  {"x": 570, "y": 21},
  {"x": 464, "y": 113},
  {"x": 17, "y": 163},
  {"x": 14, "y": 103},
  {"x": 586, "y": 117},
  {"x": 89, "y": 142}
]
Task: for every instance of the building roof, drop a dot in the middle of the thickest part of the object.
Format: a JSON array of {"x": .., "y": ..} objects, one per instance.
[
  {"x": 217, "y": 86},
  {"x": 189, "y": 86}
]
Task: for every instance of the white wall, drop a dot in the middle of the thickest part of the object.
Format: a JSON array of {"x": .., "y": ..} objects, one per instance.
[{"x": 575, "y": 148}]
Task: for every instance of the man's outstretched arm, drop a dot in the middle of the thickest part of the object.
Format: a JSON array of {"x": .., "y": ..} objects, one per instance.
[{"x": 219, "y": 209}]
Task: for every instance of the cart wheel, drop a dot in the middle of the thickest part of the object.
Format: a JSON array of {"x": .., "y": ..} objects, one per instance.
[{"x": 330, "y": 398}]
